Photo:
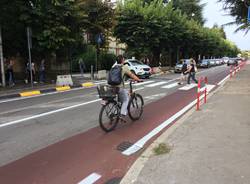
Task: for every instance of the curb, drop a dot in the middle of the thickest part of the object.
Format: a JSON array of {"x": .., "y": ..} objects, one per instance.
[
  {"x": 43, "y": 91},
  {"x": 59, "y": 89}
]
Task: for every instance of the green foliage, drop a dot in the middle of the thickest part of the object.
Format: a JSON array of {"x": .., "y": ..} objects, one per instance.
[
  {"x": 55, "y": 24},
  {"x": 105, "y": 60},
  {"x": 89, "y": 58},
  {"x": 150, "y": 28},
  {"x": 161, "y": 149},
  {"x": 238, "y": 9},
  {"x": 192, "y": 8}
]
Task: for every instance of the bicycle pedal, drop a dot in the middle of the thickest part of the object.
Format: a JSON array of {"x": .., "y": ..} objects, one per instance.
[{"x": 123, "y": 120}]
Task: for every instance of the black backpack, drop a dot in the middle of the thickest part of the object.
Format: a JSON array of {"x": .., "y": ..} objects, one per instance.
[
  {"x": 115, "y": 75},
  {"x": 184, "y": 67}
]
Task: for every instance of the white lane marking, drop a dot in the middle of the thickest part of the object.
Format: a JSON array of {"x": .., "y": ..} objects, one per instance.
[
  {"x": 140, "y": 143},
  {"x": 223, "y": 80},
  {"x": 170, "y": 85},
  {"x": 47, "y": 113},
  {"x": 138, "y": 89},
  {"x": 90, "y": 179},
  {"x": 101, "y": 82},
  {"x": 188, "y": 87},
  {"x": 209, "y": 87},
  {"x": 156, "y": 96},
  {"x": 156, "y": 84},
  {"x": 143, "y": 83}
]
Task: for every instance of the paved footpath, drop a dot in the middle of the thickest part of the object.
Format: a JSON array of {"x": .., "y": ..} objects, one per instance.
[{"x": 210, "y": 146}]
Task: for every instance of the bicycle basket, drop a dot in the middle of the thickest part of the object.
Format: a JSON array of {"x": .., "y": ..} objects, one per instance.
[{"x": 106, "y": 91}]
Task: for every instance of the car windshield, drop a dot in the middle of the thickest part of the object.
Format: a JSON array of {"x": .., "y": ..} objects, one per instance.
[{"x": 135, "y": 62}]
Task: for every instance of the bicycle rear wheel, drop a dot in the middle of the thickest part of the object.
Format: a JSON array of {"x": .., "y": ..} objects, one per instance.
[
  {"x": 109, "y": 116},
  {"x": 135, "y": 107}
]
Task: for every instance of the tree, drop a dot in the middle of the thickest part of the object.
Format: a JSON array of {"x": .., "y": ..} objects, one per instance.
[
  {"x": 192, "y": 8},
  {"x": 55, "y": 24},
  {"x": 238, "y": 9}
]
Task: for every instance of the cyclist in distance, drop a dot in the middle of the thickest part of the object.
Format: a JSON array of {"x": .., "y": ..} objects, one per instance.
[{"x": 122, "y": 92}]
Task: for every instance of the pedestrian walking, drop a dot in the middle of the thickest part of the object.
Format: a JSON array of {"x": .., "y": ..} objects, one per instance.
[
  {"x": 42, "y": 72},
  {"x": 192, "y": 69},
  {"x": 10, "y": 72},
  {"x": 183, "y": 72},
  {"x": 82, "y": 66},
  {"x": 30, "y": 71}
]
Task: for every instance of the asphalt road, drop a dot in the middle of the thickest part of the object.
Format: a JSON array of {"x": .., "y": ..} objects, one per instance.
[{"x": 28, "y": 125}]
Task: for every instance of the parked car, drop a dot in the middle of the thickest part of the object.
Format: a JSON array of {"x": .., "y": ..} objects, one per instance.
[
  {"x": 178, "y": 66},
  {"x": 232, "y": 61},
  {"x": 138, "y": 68},
  {"x": 225, "y": 59},
  {"x": 212, "y": 62},
  {"x": 204, "y": 63}
]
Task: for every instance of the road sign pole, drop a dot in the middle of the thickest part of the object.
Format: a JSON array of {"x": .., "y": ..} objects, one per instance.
[
  {"x": 1, "y": 58},
  {"x": 29, "y": 48},
  {"x": 248, "y": 17}
]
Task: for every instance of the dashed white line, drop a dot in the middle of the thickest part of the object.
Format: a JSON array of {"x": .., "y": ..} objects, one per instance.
[
  {"x": 90, "y": 179},
  {"x": 156, "y": 84},
  {"x": 188, "y": 87},
  {"x": 170, "y": 86},
  {"x": 143, "y": 83}
]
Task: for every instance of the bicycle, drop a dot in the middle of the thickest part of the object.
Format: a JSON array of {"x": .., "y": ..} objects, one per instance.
[{"x": 111, "y": 106}]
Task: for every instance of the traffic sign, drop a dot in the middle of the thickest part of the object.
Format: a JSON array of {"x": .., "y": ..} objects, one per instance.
[{"x": 99, "y": 39}]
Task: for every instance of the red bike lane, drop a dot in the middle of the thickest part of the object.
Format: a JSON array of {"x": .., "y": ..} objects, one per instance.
[{"x": 95, "y": 151}]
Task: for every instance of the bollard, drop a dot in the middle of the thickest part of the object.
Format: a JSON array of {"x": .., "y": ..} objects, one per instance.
[
  {"x": 198, "y": 95},
  {"x": 205, "y": 99},
  {"x": 199, "y": 91},
  {"x": 231, "y": 71}
]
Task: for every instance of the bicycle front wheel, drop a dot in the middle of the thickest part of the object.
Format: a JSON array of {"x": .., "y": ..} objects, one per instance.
[
  {"x": 135, "y": 107},
  {"x": 109, "y": 116}
]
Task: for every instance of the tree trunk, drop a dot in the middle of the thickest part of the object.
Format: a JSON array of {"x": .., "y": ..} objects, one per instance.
[{"x": 156, "y": 57}]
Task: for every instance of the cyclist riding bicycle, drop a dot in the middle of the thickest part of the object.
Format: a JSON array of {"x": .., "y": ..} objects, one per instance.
[{"x": 122, "y": 92}]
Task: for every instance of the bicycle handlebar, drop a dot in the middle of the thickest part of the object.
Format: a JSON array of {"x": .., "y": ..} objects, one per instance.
[{"x": 130, "y": 84}]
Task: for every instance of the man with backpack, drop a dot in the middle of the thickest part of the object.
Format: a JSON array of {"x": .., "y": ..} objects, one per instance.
[
  {"x": 116, "y": 79},
  {"x": 192, "y": 69},
  {"x": 183, "y": 72}
]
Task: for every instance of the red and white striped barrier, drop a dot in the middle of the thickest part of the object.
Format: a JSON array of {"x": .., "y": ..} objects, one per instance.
[
  {"x": 235, "y": 69},
  {"x": 201, "y": 91}
]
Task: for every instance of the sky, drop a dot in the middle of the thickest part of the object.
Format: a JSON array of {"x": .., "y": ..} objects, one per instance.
[{"x": 213, "y": 13}]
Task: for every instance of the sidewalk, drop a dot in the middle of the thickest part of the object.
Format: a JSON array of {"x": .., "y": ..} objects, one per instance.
[{"x": 211, "y": 146}]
